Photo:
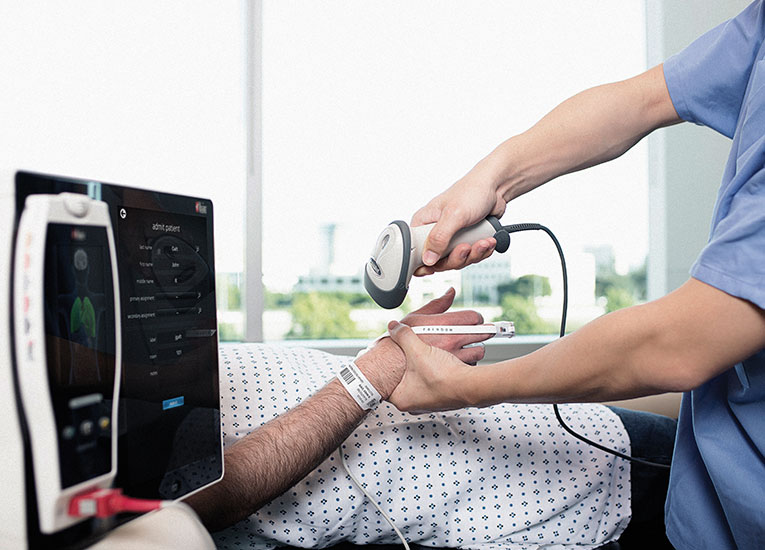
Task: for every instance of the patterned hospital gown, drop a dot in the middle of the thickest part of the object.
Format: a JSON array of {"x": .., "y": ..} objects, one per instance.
[{"x": 503, "y": 477}]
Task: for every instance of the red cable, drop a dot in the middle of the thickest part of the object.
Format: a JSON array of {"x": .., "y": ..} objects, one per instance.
[{"x": 103, "y": 503}]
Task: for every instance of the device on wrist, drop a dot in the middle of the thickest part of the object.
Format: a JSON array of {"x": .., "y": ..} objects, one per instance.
[{"x": 361, "y": 389}]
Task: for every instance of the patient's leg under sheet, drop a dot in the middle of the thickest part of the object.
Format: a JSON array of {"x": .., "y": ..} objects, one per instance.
[{"x": 506, "y": 476}]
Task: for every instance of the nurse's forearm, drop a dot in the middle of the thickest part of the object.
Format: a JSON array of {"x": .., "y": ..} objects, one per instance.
[
  {"x": 592, "y": 127},
  {"x": 675, "y": 343},
  {"x": 603, "y": 360}
]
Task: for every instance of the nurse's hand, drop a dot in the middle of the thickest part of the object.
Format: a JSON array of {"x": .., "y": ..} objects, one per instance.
[
  {"x": 384, "y": 363},
  {"x": 465, "y": 203},
  {"x": 431, "y": 381}
]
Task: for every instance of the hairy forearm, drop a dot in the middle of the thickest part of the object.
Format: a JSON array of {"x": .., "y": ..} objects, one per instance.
[
  {"x": 592, "y": 127},
  {"x": 277, "y": 455}
]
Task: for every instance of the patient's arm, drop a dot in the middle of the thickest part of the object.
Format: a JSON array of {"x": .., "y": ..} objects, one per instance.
[{"x": 275, "y": 456}]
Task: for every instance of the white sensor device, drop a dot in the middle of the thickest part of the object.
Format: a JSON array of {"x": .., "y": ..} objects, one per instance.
[
  {"x": 398, "y": 253},
  {"x": 499, "y": 329},
  {"x": 68, "y": 347}
]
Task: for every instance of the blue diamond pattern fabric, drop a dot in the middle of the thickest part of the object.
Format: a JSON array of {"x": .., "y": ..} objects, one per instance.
[{"x": 501, "y": 477}]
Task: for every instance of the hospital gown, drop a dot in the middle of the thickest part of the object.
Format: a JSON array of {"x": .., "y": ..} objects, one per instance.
[{"x": 503, "y": 477}]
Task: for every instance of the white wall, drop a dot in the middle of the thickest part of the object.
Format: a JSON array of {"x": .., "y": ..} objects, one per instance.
[
  {"x": 686, "y": 161},
  {"x": 140, "y": 93}
]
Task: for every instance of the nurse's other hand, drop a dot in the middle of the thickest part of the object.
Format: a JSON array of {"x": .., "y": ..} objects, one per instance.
[
  {"x": 431, "y": 381},
  {"x": 384, "y": 363}
]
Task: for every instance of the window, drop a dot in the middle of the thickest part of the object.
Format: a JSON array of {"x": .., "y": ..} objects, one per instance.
[{"x": 370, "y": 109}]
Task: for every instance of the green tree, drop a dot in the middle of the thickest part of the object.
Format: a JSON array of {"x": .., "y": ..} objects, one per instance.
[
  {"x": 283, "y": 300},
  {"x": 618, "y": 298},
  {"x": 528, "y": 286},
  {"x": 228, "y": 332},
  {"x": 482, "y": 298},
  {"x": 320, "y": 315},
  {"x": 522, "y": 311},
  {"x": 639, "y": 279},
  {"x": 276, "y": 300},
  {"x": 355, "y": 299},
  {"x": 234, "y": 297},
  {"x": 228, "y": 292},
  {"x": 634, "y": 282}
]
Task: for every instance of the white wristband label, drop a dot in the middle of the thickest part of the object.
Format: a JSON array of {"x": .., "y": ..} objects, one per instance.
[{"x": 359, "y": 387}]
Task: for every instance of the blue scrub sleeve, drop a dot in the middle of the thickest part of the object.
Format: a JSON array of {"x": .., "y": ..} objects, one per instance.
[
  {"x": 734, "y": 258},
  {"x": 708, "y": 79}
]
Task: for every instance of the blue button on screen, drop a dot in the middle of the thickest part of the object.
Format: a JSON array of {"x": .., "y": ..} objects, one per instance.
[{"x": 172, "y": 403}]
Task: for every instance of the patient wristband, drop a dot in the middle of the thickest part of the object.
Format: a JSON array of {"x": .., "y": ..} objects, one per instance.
[{"x": 362, "y": 391}]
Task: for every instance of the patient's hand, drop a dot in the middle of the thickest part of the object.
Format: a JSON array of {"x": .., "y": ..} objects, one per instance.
[{"x": 384, "y": 364}]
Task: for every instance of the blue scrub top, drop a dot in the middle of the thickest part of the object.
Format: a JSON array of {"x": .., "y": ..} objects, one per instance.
[{"x": 717, "y": 485}]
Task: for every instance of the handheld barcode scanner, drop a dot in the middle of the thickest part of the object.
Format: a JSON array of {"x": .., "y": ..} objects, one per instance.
[
  {"x": 68, "y": 349},
  {"x": 398, "y": 253}
]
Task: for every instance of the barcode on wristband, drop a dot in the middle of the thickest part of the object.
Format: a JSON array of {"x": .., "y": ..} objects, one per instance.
[
  {"x": 359, "y": 387},
  {"x": 347, "y": 375}
]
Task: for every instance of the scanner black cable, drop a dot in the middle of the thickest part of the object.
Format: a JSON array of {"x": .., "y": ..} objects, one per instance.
[{"x": 515, "y": 228}]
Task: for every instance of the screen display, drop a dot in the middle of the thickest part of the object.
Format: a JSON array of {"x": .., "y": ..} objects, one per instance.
[
  {"x": 169, "y": 412},
  {"x": 80, "y": 346},
  {"x": 168, "y": 305}
]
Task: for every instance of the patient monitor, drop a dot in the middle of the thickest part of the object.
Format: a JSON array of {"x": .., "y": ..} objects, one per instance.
[
  {"x": 66, "y": 327},
  {"x": 111, "y": 380}
]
